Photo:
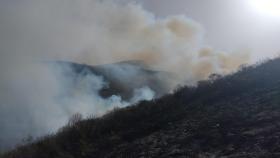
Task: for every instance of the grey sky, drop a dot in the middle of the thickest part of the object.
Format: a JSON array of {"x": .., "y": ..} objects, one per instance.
[{"x": 229, "y": 24}]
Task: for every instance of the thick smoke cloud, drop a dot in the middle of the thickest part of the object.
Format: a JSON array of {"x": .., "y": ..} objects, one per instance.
[{"x": 36, "y": 98}]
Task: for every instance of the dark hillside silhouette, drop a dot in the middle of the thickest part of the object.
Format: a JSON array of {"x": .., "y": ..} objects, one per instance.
[
  {"x": 137, "y": 75},
  {"x": 235, "y": 116}
]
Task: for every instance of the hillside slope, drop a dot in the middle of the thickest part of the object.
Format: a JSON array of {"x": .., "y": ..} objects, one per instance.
[
  {"x": 122, "y": 77},
  {"x": 234, "y": 116}
]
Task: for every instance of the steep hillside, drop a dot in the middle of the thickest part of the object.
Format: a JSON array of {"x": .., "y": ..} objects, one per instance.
[
  {"x": 233, "y": 116},
  {"x": 122, "y": 77}
]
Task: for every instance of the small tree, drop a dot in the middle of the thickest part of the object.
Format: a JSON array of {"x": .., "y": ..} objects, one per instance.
[
  {"x": 214, "y": 77},
  {"x": 77, "y": 117}
]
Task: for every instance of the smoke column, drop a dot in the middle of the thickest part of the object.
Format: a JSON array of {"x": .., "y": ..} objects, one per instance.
[{"x": 35, "y": 98}]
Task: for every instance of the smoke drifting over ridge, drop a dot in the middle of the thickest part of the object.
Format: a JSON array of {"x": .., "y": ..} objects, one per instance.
[{"x": 92, "y": 32}]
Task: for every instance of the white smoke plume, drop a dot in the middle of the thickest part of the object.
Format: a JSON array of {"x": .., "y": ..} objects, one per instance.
[{"x": 35, "y": 99}]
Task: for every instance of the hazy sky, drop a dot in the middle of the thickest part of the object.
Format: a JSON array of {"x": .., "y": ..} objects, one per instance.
[{"x": 228, "y": 24}]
